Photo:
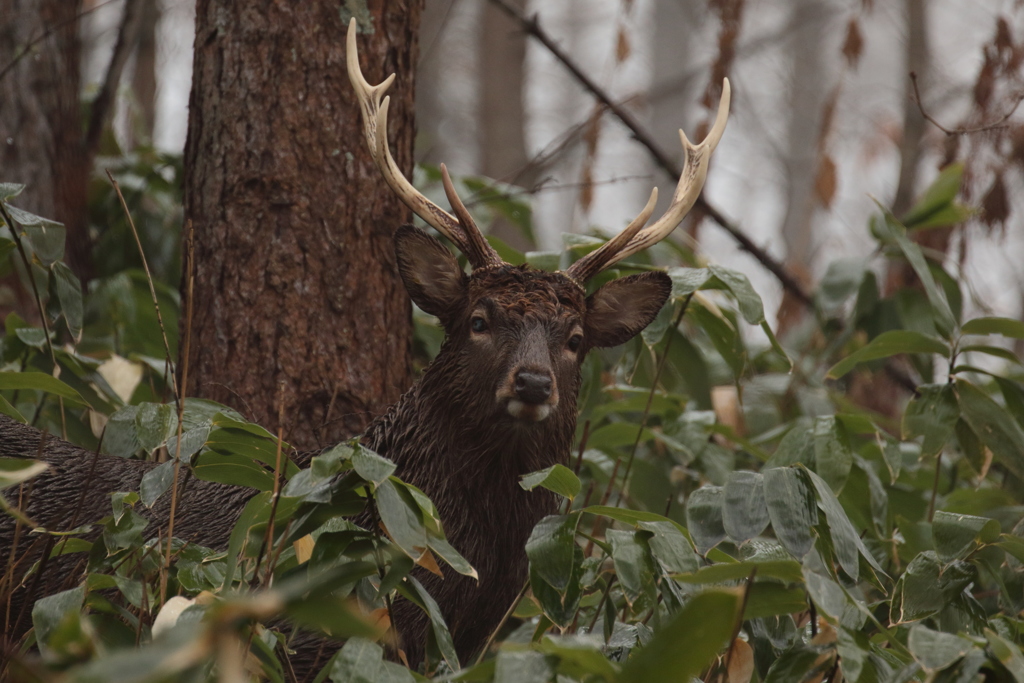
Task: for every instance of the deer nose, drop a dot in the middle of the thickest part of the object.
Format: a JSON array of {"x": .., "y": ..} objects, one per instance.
[{"x": 533, "y": 387}]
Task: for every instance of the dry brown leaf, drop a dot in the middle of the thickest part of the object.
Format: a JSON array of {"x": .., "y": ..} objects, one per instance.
[
  {"x": 303, "y": 548},
  {"x": 380, "y": 618},
  {"x": 853, "y": 46},
  {"x": 622, "y": 49},
  {"x": 427, "y": 561},
  {"x": 741, "y": 662},
  {"x": 825, "y": 181},
  {"x": 725, "y": 401},
  {"x": 995, "y": 206}
]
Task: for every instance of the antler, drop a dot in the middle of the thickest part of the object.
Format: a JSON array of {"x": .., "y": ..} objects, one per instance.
[
  {"x": 691, "y": 181},
  {"x": 462, "y": 231}
]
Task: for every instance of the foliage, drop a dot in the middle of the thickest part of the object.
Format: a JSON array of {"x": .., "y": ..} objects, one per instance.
[{"x": 734, "y": 512}]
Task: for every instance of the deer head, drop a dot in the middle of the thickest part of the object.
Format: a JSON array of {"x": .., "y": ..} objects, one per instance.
[{"x": 521, "y": 331}]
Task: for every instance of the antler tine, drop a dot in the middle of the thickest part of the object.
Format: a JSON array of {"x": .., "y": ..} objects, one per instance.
[
  {"x": 691, "y": 182},
  {"x": 599, "y": 259},
  {"x": 375, "y": 126},
  {"x": 480, "y": 253}
]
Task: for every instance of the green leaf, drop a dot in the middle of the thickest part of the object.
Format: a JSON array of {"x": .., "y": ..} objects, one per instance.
[
  {"x": 833, "y": 457},
  {"x": 10, "y": 411},
  {"x": 442, "y": 637},
  {"x": 121, "y": 435},
  {"x": 932, "y": 414},
  {"x": 46, "y": 237},
  {"x": 1008, "y": 327},
  {"x": 939, "y": 196},
  {"x": 230, "y": 469},
  {"x": 557, "y": 478},
  {"x": 40, "y": 381},
  {"x": 155, "y": 482},
  {"x": 155, "y": 422},
  {"x": 670, "y": 548},
  {"x": 6, "y": 247},
  {"x": 402, "y": 518},
  {"x": 956, "y": 535},
  {"x": 14, "y": 471},
  {"x": 551, "y": 548},
  {"x": 842, "y": 279},
  {"x": 359, "y": 661},
  {"x": 372, "y": 467},
  {"x": 634, "y": 517},
  {"x": 997, "y": 351},
  {"x": 247, "y": 441},
  {"x": 993, "y": 425},
  {"x": 69, "y": 295},
  {"x": 827, "y": 595},
  {"x": 944, "y": 320},
  {"x": 788, "y": 571},
  {"x": 522, "y": 666},
  {"x": 796, "y": 664},
  {"x": 704, "y": 625},
  {"x": 633, "y": 564},
  {"x": 704, "y": 517},
  {"x": 10, "y": 190},
  {"x": 447, "y": 553},
  {"x": 745, "y": 513},
  {"x": 578, "y": 658},
  {"x": 48, "y": 612},
  {"x": 845, "y": 539},
  {"x": 770, "y": 600},
  {"x": 888, "y": 344},
  {"x": 747, "y": 299},
  {"x": 935, "y": 650},
  {"x": 1008, "y": 654},
  {"x": 791, "y": 509}
]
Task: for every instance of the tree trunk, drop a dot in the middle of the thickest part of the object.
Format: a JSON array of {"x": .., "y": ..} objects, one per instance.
[
  {"x": 143, "y": 121},
  {"x": 297, "y": 300}
]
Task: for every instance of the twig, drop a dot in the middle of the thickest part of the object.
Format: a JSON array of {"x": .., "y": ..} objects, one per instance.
[
  {"x": 531, "y": 26},
  {"x": 269, "y": 544},
  {"x": 935, "y": 486},
  {"x": 739, "y": 622},
  {"x": 190, "y": 274},
  {"x": 127, "y": 37},
  {"x": 508, "y": 613},
  {"x": 961, "y": 130},
  {"x": 152, "y": 288}
]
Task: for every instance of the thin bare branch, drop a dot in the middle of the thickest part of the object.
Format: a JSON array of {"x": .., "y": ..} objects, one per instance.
[
  {"x": 661, "y": 158},
  {"x": 962, "y": 130},
  {"x": 152, "y": 288}
]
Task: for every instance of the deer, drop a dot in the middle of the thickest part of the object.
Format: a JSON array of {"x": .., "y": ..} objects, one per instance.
[{"x": 498, "y": 401}]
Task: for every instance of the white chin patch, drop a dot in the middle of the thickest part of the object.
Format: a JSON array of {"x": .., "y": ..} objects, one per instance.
[{"x": 528, "y": 411}]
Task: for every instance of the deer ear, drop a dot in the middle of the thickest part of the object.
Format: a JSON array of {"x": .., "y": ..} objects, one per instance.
[
  {"x": 618, "y": 311},
  {"x": 431, "y": 273}
]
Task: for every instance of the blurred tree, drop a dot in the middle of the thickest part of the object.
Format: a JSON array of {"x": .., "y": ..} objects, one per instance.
[
  {"x": 40, "y": 114},
  {"x": 297, "y": 298}
]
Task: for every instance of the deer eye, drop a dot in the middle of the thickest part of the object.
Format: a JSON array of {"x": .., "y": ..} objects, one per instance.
[
  {"x": 478, "y": 324},
  {"x": 574, "y": 342}
]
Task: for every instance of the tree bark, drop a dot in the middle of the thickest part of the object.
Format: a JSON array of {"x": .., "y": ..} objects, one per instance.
[{"x": 297, "y": 299}]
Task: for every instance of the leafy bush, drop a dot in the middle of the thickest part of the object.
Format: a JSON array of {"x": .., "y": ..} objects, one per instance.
[{"x": 732, "y": 512}]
